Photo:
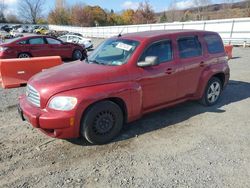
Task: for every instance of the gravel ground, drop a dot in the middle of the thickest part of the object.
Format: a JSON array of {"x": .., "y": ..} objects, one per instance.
[{"x": 185, "y": 146}]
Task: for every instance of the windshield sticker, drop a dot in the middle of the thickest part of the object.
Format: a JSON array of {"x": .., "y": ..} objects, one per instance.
[{"x": 124, "y": 46}]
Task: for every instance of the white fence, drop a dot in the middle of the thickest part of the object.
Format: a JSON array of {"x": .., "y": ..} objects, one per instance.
[{"x": 235, "y": 31}]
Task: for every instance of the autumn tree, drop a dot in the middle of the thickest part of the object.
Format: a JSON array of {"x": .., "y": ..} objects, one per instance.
[
  {"x": 11, "y": 18},
  {"x": 144, "y": 14},
  {"x": 227, "y": 8},
  {"x": 60, "y": 15},
  {"x": 128, "y": 16},
  {"x": 31, "y": 10},
  {"x": 99, "y": 15},
  {"x": 2, "y": 7},
  {"x": 81, "y": 16},
  {"x": 172, "y": 9},
  {"x": 186, "y": 16},
  {"x": 163, "y": 18},
  {"x": 201, "y": 8},
  {"x": 248, "y": 8}
]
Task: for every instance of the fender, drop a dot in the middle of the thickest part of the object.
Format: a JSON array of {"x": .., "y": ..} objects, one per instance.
[
  {"x": 207, "y": 74},
  {"x": 129, "y": 92}
]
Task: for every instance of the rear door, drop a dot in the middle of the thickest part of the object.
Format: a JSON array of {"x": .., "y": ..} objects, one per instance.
[
  {"x": 57, "y": 48},
  {"x": 191, "y": 63},
  {"x": 38, "y": 47}
]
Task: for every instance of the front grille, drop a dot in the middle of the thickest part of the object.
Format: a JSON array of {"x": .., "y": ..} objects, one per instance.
[{"x": 33, "y": 96}]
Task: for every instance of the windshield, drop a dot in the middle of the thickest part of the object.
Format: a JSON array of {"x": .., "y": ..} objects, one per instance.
[{"x": 113, "y": 52}]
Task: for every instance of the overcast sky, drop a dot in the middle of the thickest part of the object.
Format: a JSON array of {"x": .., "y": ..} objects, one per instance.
[{"x": 117, "y": 5}]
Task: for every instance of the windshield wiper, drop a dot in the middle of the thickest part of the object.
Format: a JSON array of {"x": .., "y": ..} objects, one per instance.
[{"x": 96, "y": 62}]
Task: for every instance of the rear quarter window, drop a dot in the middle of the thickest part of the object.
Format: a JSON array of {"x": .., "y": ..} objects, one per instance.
[
  {"x": 189, "y": 47},
  {"x": 22, "y": 42},
  {"x": 214, "y": 44}
]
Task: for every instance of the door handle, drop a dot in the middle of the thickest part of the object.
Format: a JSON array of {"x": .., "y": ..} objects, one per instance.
[
  {"x": 169, "y": 71},
  {"x": 202, "y": 64},
  {"x": 20, "y": 72}
]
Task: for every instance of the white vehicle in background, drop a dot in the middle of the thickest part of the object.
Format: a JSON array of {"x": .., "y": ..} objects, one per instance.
[
  {"x": 77, "y": 39},
  {"x": 23, "y": 29},
  {"x": 15, "y": 33}
]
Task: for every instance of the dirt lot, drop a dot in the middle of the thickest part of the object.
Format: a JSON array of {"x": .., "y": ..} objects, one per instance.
[{"x": 185, "y": 146}]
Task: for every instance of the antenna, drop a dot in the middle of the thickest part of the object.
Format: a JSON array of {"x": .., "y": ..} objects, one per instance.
[{"x": 120, "y": 34}]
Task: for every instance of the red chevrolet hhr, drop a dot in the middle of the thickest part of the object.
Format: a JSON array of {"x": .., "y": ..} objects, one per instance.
[{"x": 124, "y": 78}]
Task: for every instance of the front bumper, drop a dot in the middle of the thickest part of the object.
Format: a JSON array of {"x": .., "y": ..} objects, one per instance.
[
  {"x": 4, "y": 55},
  {"x": 57, "y": 124}
]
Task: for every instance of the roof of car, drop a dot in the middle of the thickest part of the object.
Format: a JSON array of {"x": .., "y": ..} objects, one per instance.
[
  {"x": 27, "y": 37},
  {"x": 157, "y": 33}
]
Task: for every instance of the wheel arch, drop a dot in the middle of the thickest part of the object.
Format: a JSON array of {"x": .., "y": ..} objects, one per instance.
[
  {"x": 205, "y": 79},
  {"x": 24, "y": 53},
  {"x": 78, "y": 49},
  {"x": 221, "y": 76},
  {"x": 117, "y": 100}
]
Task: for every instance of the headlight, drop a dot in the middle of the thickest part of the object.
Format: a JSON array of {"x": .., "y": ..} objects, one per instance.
[{"x": 63, "y": 103}]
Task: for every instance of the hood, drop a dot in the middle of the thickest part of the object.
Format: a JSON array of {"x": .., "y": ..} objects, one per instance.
[{"x": 75, "y": 75}]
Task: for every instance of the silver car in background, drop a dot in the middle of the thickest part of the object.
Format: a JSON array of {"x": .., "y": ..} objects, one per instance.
[{"x": 77, "y": 39}]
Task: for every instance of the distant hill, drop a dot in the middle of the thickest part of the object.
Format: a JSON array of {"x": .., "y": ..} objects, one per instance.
[{"x": 213, "y": 11}]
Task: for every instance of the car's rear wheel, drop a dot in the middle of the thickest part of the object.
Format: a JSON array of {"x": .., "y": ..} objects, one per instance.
[
  {"x": 102, "y": 122},
  {"x": 77, "y": 54},
  {"x": 24, "y": 55},
  {"x": 213, "y": 92}
]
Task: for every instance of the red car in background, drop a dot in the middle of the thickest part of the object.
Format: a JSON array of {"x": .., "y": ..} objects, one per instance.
[{"x": 39, "y": 46}]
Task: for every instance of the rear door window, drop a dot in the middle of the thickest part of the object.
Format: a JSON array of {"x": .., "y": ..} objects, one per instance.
[
  {"x": 36, "y": 41},
  {"x": 53, "y": 41},
  {"x": 162, "y": 49},
  {"x": 214, "y": 44},
  {"x": 189, "y": 47}
]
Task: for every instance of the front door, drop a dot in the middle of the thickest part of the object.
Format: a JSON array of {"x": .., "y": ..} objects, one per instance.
[{"x": 158, "y": 82}]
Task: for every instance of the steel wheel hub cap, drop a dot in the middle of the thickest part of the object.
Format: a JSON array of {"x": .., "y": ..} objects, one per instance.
[
  {"x": 103, "y": 123},
  {"x": 23, "y": 56}
]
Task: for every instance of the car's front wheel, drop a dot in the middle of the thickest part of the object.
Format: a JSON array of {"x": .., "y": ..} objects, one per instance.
[
  {"x": 77, "y": 54},
  {"x": 102, "y": 122},
  {"x": 212, "y": 92}
]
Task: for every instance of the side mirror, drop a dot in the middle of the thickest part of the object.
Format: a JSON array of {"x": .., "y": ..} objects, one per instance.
[{"x": 149, "y": 61}]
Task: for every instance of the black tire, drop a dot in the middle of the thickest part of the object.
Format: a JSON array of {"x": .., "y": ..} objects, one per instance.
[
  {"x": 24, "y": 55},
  {"x": 211, "y": 97},
  {"x": 77, "y": 54},
  {"x": 102, "y": 122}
]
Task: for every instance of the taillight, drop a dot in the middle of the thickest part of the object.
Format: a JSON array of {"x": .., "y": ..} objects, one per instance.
[{"x": 2, "y": 48}]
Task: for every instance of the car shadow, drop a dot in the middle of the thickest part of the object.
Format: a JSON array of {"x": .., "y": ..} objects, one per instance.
[
  {"x": 237, "y": 57},
  {"x": 235, "y": 91}
]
